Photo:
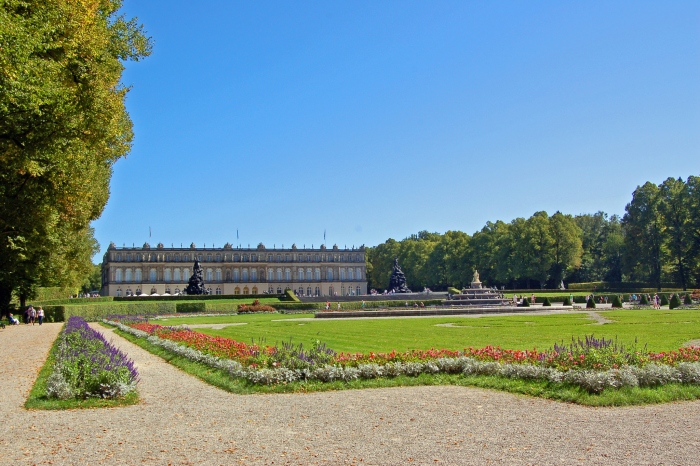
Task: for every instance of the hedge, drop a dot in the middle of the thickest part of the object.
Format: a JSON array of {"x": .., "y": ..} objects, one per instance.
[
  {"x": 204, "y": 297},
  {"x": 453, "y": 290},
  {"x": 619, "y": 286},
  {"x": 101, "y": 299},
  {"x": 290, "y": 296},
  {"x": 61, "y": 313},
  {"x": 197, "y": 306}
]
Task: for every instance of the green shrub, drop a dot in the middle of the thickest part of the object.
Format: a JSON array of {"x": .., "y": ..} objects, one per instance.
[
  {"x": 204, "y": 297},
  {"x": 197, "y": 306},
  {"x": 290, "y": 296},
  {"x": 675, "y": 302},
  {"x": 54, "y": 313},
  {"x": 616, "y": 302},
  {"x": 453, "y": 290},
  {"x": 546, "y": 302},
  {"x": 687, "y": 299},
  {"x": 214, "y": 306},
  {"x": 567, "y": 301},
  {"x": 644, "y": 300},
  {"x": 664, "y": 300},
  {"x": 101, "y": 299},
  {"x": 298, "y": 306},
  {"x": 526, "y": 302},
  {"x": 591, "y": 303}
]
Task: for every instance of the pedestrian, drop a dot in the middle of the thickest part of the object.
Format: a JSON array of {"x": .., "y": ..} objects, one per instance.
[
  {"x": 40, "y": 315},
  {"x": 338, "y": 305},
  {"x": 12, "y": 320},
  {"x": 32, "y": 315},
  {"x": 363, "y": 304}
]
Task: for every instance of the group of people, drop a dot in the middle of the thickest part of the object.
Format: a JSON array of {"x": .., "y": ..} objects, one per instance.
[{"x": 31, "y": 316}]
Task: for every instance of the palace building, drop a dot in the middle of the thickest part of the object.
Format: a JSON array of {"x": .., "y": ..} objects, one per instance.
[{"x": 128, "y": 271}]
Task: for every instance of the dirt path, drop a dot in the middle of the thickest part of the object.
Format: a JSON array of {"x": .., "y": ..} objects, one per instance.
[{"x": 184, "y": 421}]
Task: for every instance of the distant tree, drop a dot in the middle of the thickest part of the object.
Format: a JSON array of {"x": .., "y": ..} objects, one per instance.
[
  {"x": 536, "y": 248},
  {"x": 674, "y": 204},
  {"x": 567, "y": 246},
  {"x": 643, "y": 224}
]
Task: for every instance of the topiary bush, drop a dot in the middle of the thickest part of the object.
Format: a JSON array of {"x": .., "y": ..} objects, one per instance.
[
  {"x": 616, "y": 302},
  {"x": 591, "y": 303},
  {"x": 567, "y": 301},
  {"x": 526, "y": 302},
  {"x": 664, "y": 300},
  {"x": 687, "y": 299},
  {"x": 644, "y": 300},
  {"x": 675, "y": 302},
  {"x": 546, "y": 302}
]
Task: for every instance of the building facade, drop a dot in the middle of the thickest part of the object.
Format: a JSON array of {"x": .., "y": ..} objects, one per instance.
[{"x": 130, "y": 271}]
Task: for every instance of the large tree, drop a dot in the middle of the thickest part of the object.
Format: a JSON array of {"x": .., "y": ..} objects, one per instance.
[
  {"x": 566, "y": 245},
  {"x": 63, "y": 124},
  {"x": 674, "y": 206}
]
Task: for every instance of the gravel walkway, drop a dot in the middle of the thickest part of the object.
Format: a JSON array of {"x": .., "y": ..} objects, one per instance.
[{"x": 184, "y": 421}]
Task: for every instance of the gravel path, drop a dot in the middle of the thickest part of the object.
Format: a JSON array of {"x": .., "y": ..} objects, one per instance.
[{"x": 184, "y": 421}]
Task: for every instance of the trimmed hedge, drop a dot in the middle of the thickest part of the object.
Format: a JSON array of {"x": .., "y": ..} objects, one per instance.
[
  {"x": 61, "y": 313},
  {"x": 290, "y": 296},
  {"x": 664, "y": 299},
  {"x": 298, "y": 306},
  {"x": 591, "y": 303},
  {"x": 526, "y": 302},
  {"x": 204, "y": 297},
  {"x": 621, "y": 286},
  {"x": 675, "y": 302},
  {"x": 101, "y": 299},
  {"x": 616, "y": 302},
  {"x": 567, "y": 301},
  {"x": 197, "y": 306},
  {"x": 687, "y": 299},
  {"x": 546, "y": 302}
]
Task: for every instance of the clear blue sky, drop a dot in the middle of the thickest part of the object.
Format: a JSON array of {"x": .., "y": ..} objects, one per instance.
[{"x": 378, "y": 119}]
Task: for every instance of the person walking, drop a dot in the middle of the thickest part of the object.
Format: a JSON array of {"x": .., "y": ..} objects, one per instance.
[
  {"x": 40, "y": 315},
  {"x": 32, "y": 315}
]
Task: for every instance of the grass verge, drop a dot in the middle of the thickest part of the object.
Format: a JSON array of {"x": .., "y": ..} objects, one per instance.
[
  {"x": 535, "y": 388},
  {"x": 38, "y": 400}
]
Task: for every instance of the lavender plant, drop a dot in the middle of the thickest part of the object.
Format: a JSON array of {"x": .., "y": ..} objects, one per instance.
[{"x": 88, "y": 366}]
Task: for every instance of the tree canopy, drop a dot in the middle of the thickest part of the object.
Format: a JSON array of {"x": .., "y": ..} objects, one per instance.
[{"x": 63, "y": 124}]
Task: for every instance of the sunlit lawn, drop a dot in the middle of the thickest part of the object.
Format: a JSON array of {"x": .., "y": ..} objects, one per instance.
[{"x": 662, "y": 330}]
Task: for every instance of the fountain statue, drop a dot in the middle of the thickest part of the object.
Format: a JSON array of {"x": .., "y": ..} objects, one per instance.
[
  {"x": 397, "y": 282},
  {"x": 196, "y": 283}
]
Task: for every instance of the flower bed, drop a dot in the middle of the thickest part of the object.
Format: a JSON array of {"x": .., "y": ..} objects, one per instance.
[
  {"x": 88, "y": 366},
  {"x": 593, "y": 364}
]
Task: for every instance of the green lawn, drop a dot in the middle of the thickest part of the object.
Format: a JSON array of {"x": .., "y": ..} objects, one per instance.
[{"x": 662, "y": 330}]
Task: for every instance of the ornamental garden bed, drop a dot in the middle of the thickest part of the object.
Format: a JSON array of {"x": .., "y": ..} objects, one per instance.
[{"x": 591, "y": 370}]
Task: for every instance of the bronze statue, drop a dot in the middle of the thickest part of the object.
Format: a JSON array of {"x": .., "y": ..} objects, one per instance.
[
  {"x": 397, "y": 282},
  {"x": 196, "y": 283}
]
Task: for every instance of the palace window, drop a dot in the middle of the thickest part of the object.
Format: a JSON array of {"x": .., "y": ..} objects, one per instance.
[
  {"x": 118, "y": 276},
  {"x": 208, "y": 257},
  {"x": 228, "y": 275},
  {"x": 218, "y": 290},
  {"x": 270, "y": 275},
  {"x": 254, "y": 290},
  {"x": 301, "y": 275},
  {"x": 209, "y": 290},
  {"x": 279, "y": 275},
  {"x": 245, "y": 276},
  {"x": 317, "y": 274},
  {"x": 287, "y": 274},
  {"x": 300, "y": 291},
  {"x": 210, "y": 275},
  {"x": 245, "y": 259},
  {"x": 358, "y": 274},
  {"x": 269, "y": 257},
  {"x": 153, "y": 275},
  {"x": 254, "y": 276},
  {"x": 317, "y": 291},
  {"x": 137, "y": 275},
  {"x": 185, "y": 258},
  {"x": 342, "y": 290},
  {"x": 166, "y": 276},
  {"x": 119, "y": 257},
  {"x": 218, "y": 275},
  {"x": 279, "y": 290},
  {"x": 177, "y": 257},
  {"x": 127, "y": 276},
  {"x": 308, "y": 291},
  {"x": 167, "y": 258},
  {"x": 218, "y": 258},
  {"x": 167, "y": 289},
  {"x": 309, "y": 275},
  {"x": 329, "y": 274},
  {"x": 245, "y": 290},
  {"x": 153, "y": 291},
  {"x": 236, "y": 290},
  {"x": 252, "y": 257},
  {"x": 129, "y": 292},
  {"x": 342, "y": 275},
  {"x": 351, "y": 274},
  {"x": 186, "y": 275},
  {"x": 270, "y": 290},
  {"x": 279, "y": 258},
  {"x": 176, "y": 275},
  {"x": 119, "y": 291},
  {"x": 358, "y": 291}
]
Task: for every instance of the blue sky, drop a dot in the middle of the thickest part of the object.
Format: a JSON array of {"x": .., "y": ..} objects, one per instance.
[{"x": 375, "y": 120}]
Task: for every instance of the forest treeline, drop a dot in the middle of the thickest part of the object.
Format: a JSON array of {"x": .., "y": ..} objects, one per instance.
[{"x": 656, "y": 241}]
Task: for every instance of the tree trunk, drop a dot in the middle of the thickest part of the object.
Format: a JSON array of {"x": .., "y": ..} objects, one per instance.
[{"x": 5, "y": 298}]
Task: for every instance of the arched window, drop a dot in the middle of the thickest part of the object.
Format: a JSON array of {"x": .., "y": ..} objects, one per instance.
[
  {"x": 287, "y": 274},
  {"x": 245, "y": 290},
  {"x": 253, "y": 275},
  {"x": 210, "y": 275},
  {"x": 236, "y": 275},
  {"x": 351, "y": 274},
  {"x": 218, "y": 275},
  {"x": 176, "y": 275},
  {"x": 270, "y": 275},
  {"x": 236, "y": 290},
  {"x": 342, "y": 275},
  {"x": 228, "y": 275},
  {"x": 167, "y": 289},
  {"x": 129, "y": 292},
  {"x": 329, "y": 274},
  {"x": 358, "y": 291},
  {"x": 118, "y": 276},
  {"x": 317, "y": 274},
  {"x": 153, "y": 290},
  {"x": 185, "y": 258},
  {"x": 330, "y": 291},
  {"x": 153, "y": 275},
  {"x": 208, "y": 257},
  {"x": 309, "y": 275},
  {"x": 270, "y": 290},
  {"x": 119, "y": 257},
  {"x": 301, "y": 275},
  {"x": 245, "y": 276},
  {"x": 279, "y": 275},
  {"x": 317, "y": 291},
  {"x": 209, "y": 290},
  {"x": 254, "y": 290},
  {"x": 300, "y": 291},
  {"x": 342, "y": 290},
  {"x": 358, "y": 274},
  {"x": 166, "y": 276},
  {"x": 119, "y": 291},
  {"x": 218, "y": 290},
  {"x": 308, "y": 291},
  {"x": 177, "y": 290},
  {"x": 218, "y": 258},
  {"x": 279, "y": 290},
  {"x": 186, "y": 275}
]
